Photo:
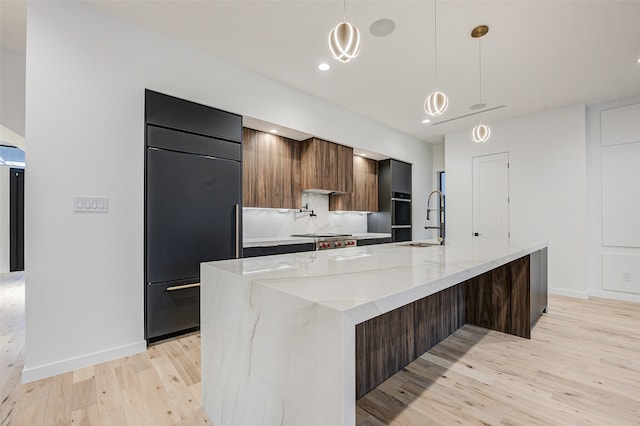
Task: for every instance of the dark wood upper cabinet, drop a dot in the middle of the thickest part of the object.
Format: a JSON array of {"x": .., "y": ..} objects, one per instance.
[
  {"x": 344, "y": 167},
  {"x": 326, "y": 166},
  {"x": 365, "y": 188},
  {"x": 270, "y": 171}
]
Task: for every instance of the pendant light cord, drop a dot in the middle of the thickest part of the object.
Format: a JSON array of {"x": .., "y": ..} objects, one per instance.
[
  {"x": 435, "y": 40},
  {"x": 344, "y": 11},
  {"x": 480, "y": 66}
]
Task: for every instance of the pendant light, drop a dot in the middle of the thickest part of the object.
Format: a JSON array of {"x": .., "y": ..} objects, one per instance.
[
  {"x": 481, "y": 132},
  {"x": 344, "y": 39},
  {"x": 437, "y": 102}
]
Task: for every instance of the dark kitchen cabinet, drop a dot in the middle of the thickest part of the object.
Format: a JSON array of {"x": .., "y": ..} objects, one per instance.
[
  {"x": 538, "y": 292},
  {"x": 394, "y": 201},
  {"x": 193, "y": 206},
  {"x": 373, "y": 241},
  {"x": 270, "y": 171},
  {"x": 326, "y": 166},
  {"x": 400, "y": 176},
  {"x": 279, "y": 249},
  {"x": 364, "y": 197}
]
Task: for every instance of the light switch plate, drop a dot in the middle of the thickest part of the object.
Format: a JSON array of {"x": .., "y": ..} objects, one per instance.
[{"x": 90, "y": 204}]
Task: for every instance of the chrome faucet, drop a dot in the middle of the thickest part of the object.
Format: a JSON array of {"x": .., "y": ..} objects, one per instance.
[{"x": 440, "y": 209}]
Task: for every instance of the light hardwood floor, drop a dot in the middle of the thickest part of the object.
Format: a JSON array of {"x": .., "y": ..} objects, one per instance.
[{"x": 582, "y": 366}]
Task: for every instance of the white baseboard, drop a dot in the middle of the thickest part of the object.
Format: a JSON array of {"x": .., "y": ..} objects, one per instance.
[
  {"x": 569, "y": 293},
  {"x": 42, "y": 371},
  {"x": 615, "y": 295}
]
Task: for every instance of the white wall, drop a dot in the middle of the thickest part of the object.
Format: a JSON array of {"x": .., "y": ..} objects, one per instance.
[
  {"x": 4, "y": 218},
  {"x": 613, "y": 218},
  {"x": 12, "y": 86},
  {"x": 86, "y": 75},
  {"x": 438, "y": 161},
  {"x": 547, "y": 178}
]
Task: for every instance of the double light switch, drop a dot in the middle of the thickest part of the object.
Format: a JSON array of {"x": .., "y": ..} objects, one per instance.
[{"x": 90, "y": 204}]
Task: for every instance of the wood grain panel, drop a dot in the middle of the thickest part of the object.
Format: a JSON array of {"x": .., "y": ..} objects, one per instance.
[
  {"x": 364, "y": 196},
  {"x": 519, "y": 275},
  {"x": 387, "y": 343},
  {"x": 500, "y": 299},
  {"x": 326, "y": 166},
  {"x": 344, "y": 169},
  {"x": 270, "y": 170}
]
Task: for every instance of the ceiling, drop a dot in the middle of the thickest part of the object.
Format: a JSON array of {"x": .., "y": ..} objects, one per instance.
[{"x": 538, "y": 54}]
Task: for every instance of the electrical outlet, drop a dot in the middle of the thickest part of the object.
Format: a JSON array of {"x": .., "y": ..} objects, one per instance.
[
  {"x": 626, "y": 276},
  {"x": 90, "y": 204}
]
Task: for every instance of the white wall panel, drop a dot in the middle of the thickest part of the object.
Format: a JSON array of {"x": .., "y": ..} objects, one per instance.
[
  {"x": 620, "y": 125},
  {"x": 621, "y": 196},
  {"x": 621, "y": 272}
]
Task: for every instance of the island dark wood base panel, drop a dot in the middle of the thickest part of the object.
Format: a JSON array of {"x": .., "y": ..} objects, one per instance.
[{"x": 498, "y": 300}]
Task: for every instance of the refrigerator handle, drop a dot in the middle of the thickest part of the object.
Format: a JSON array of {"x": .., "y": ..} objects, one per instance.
[{"x": 237, "y": 231}]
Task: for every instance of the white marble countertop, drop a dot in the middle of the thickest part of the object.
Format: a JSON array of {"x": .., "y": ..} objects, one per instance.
[
  {"x": 279, "y": 332},
  {"x": 363, "y": 282},
  {"x": 279, "y": 241}
]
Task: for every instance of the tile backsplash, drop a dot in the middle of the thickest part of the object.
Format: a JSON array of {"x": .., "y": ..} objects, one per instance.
[{"x": 267, "y": 223}]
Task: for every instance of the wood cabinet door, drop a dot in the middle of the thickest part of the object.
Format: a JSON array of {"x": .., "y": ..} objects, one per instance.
[
  {"x": 344, "y": 168},
  {"x": 364, "y": 196},
  {"x": 319, "y": 162},
  {"x": 270, "y": 171}
]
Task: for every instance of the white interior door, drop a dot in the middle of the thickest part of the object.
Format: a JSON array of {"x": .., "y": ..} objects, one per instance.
[{"x": 491, "y": 196}]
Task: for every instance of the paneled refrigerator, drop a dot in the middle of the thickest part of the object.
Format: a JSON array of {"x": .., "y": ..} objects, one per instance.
[{"x": 193, "y": 211}]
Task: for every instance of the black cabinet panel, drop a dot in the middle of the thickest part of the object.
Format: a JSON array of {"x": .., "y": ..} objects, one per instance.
[
  {"x": 400, "y": 177},
  {"x": 171, "y": 311},
  {"x": 538, "y": 288},
  {"x": 372, "y": 241},
  {"x": 168, "y": 111},
  {"x": 159, "y": 137},
  {"x": 281, "y": 249},
  {"x": 401, "y": 234},
  {"x": 543, "y": 280},
  {"x": 191, "y": 213}
]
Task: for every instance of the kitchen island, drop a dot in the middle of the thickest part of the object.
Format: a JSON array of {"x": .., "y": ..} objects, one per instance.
[{"x": 294, "y": 339}]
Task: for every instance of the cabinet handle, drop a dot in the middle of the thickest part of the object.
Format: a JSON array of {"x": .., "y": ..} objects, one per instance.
[
  {"x": 182, "y": 287},
  {"x": 237, "y": 231}
]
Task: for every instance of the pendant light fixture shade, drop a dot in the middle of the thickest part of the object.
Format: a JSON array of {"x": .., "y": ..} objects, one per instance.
[
  {"x": 436, "y": 104},
  {"x": 344, "y": 42},
  {"x": 481, "y": 133}
]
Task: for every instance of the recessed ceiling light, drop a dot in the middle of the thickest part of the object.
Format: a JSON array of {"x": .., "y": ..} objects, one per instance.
[
  {"x": 382, "y": 27},
  {"x": 362, "y": 154},
  {"x": 274, "y": 130},
  {"x": 638, "y": 61},
  {"x": 426, "y": 120},
  {"x": 324, "y": 66}
]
